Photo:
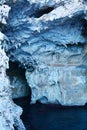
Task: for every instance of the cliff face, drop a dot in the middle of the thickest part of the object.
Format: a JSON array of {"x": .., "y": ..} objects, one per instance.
[
  {"x": 48, "y": 39},
  {"x": 9, "y": 112}
]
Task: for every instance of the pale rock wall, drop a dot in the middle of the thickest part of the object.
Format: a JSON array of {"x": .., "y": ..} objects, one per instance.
[
  {"x": 60, "y": 77},
  {"x": 9, "y": 112}
]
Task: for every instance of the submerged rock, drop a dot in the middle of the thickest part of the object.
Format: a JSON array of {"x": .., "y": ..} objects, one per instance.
[{"x": 48, "y": 39}]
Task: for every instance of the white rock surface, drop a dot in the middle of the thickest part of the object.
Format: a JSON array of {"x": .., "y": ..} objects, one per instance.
[
  {"x": 9, "y": 112},
  {"x": 4, "y": 10}
]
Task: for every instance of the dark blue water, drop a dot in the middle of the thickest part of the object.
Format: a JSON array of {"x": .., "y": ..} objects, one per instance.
[{"x": 53, "y": 117}]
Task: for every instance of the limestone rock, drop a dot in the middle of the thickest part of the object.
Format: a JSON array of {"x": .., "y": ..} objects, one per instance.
[
  {"x": 9, "y": 112},
  {"x": 48, "y": 39},
  {"x": 60, "y": 77},
  {"x": 4, "y": 9},
  {"x": 21, "y": 88}
]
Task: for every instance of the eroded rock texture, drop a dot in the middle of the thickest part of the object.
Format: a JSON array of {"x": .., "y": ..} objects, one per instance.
[
  {"x": 48, "y": 39},
  {"x": 9, "y": 112}
]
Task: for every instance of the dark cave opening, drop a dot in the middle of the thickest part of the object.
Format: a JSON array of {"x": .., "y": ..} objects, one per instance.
[
  {"x": 41, "y": 12},
  {"x": 17, "y": 78},
  {"x": 14, "y": 68},
  {"x": 84, "y": 29}
]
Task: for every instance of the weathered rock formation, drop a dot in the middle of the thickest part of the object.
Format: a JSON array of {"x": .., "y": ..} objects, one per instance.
[
  {"x": 48, "y": 39},
  {"x": 9, "y": 112}
]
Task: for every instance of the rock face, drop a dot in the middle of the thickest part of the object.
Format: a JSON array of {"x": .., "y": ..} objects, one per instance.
[
  {"x": 48, "y": 39},
  {"x": 60, "y": 77},
  {"x": 4, "y": 9},
  {"x": 9, "y": 112}
]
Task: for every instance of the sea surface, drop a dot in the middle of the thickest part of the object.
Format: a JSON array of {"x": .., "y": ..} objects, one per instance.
[{"x": 52, "y": 117}]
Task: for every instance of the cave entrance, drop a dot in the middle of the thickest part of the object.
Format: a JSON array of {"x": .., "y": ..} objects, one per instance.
[
  {"x": 41, "y": 12},
  {"x": 17, "y": 79}
]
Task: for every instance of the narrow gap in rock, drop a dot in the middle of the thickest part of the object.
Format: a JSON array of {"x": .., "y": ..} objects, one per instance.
[
  {"x": 15, "y": 128},
  {"x": 41, "y": 12},
  {"x": 17, "y": 79},
  {"x": 84, "y": 29},
  {"x": 79, "y": 44}
]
